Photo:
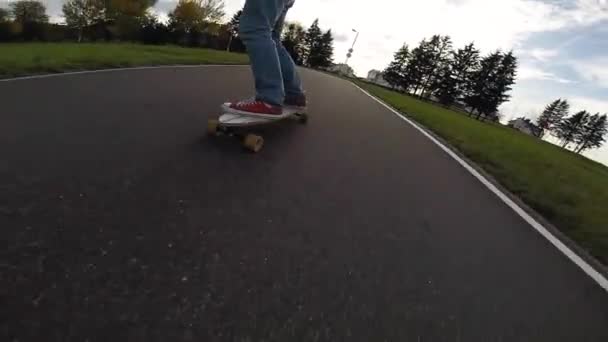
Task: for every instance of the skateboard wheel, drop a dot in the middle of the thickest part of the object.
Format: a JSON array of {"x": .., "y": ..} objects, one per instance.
[
  {"x": 303, "y": 118},
  {"x": 212, "y": 126},
  {"x": 253, "y": 142}
]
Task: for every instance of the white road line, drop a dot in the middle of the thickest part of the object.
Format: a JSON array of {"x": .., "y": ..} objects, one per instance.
[
  {"x": 179, "y": 66},
  {"x": 575, "y": 258}
]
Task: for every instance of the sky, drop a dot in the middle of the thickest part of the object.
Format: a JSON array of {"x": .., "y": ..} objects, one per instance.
[{"x": 562, "y": 45}]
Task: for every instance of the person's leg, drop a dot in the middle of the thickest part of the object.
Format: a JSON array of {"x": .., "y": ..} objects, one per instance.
[
  {"x": 291, "y": 78},
  {"x": 256, "y": 27}
]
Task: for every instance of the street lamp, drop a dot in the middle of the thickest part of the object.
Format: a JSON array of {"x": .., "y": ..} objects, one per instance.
[{"x": 350, "y": 51}]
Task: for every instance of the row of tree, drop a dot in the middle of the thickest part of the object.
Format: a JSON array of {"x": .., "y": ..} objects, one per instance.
[
  {"x": 462, "y": 77},
  {"x": 583, "y": 129},
  {"x": 192, "y": 22},
  {"x": 313, "y": 47}
]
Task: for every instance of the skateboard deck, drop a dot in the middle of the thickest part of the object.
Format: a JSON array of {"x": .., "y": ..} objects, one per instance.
[{"x": 235, "y": 125}]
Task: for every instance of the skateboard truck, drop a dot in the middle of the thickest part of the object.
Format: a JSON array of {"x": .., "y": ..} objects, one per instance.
[{"x": 234, "y": 125}]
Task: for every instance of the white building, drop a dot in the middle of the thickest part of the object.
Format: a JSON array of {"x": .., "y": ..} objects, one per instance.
[
  {"x": 342, "y": 69},
  {"x": 377, "y": 77},
  {"x": 524, "y": 125}
]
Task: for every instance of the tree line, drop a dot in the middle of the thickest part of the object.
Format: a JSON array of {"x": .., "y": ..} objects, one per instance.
[
  {"x": 191, "y": 23},
  {"x": 583, "y": 129},
  {"x": 312, "y": 47},
  {"x": 454, "y": 77}
]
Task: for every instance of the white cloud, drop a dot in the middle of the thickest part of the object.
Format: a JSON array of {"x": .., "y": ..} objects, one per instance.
[
  {"x": 594, "y": 70},
  {"x": 543, "y": 55},
  {"x": 589, "y": 104},
  {"x": 531, "y": 72}
]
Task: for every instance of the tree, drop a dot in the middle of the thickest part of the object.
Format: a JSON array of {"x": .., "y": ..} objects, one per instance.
[
  {"x": 451, "y": 86},
  {"x": 293, "y": 40},
  {"x": 489, "y": 86},
  {"x": 395, "y": 73},
  {"x": 414, "y": 71},
  {"x": 592, "y": 134},
  {"x": 553, "y": 114},
  {"x": 479, "y": 83},
  {"x": 318, "y": 46},
  {"x": 196, "y": 15},
  {"x": 128, "y": 8},
  {"x": 436, "y": 56},
  {"x": 4, "y": 15},
  {"x": 572, "y": 127},
  {"x": 233, "y": 27},
  {"x": 325, "y": 54},
  {"x": 502, "y": 83},
  {"x": 80, "y": 14},
  {"x": 6, "y": 27},
  {"x": 124, "y": 17},
  {"x": 29, "y": 11},
  {"x": 153, "y": 31},
  {"x": 312, "y": 43}
]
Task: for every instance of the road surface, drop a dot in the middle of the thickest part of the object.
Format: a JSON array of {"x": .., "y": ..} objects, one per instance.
[{"x": 122, "y": 221}]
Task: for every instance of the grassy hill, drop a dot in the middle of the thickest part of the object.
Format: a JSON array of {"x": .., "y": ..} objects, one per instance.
[{"x": 17, "y": 59}]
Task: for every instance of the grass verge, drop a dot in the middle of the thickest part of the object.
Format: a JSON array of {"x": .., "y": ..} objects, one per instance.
[
  {"x": 19, "y": 59},
  {"x": 569, "y": 190}
]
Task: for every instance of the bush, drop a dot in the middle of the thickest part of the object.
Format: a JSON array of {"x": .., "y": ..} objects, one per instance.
[{"x": 9, "y": 31}]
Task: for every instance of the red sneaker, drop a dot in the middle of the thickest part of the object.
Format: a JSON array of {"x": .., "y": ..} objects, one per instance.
[
  {"x": 295, "y": 103},
  {"x": 253, "y": 108}
]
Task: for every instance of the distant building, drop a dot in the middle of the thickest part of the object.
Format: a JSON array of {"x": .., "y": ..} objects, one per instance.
[
  {"x": 342, "y": 69},
  {"x": 525, "y": 125},
  {"x": 377, "y": 77}
]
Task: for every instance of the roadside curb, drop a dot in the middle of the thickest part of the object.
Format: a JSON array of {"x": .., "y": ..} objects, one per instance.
[{"x": 111, "y": 69}]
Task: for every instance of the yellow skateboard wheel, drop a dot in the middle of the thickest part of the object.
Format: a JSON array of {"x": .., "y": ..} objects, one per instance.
[
  {"x": 212, "y": 126},
  {"x": 253, "y": 142}
]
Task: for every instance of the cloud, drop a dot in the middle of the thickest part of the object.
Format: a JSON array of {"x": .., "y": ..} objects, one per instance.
[
  {"x": 341, "y": 37},
  {"x": 542, "y": 55},
  {"x": 589, "y": 104},
  {"x": 531, "y": 72},
  {"x": 594, "y": 70}
]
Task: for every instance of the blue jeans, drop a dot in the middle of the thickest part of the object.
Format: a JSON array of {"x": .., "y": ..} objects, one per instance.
[{"x": 273, "y": 68}]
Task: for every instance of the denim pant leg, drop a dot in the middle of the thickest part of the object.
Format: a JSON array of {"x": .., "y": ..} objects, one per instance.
[
  {"x": 257, "y": 24},
  {"x": 291, "y": 78}
]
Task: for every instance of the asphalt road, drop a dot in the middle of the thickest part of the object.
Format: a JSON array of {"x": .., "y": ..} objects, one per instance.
[{"x": 121, "y": 221}]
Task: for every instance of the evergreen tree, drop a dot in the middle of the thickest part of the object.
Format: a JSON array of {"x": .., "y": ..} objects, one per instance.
[
  {"x": 436, "y": 58},
  {"x": 319, "y": 47},
  {"x": 451, "y": 86},
  {"x": 480, "y": 83},
  {"x": 326, "y": 50},
  {"x": 572, "y": 127},
  {"x": 502, "y": 83},
  {"x": 395, "y": 73},
  {"x": 593, "y": 133},
  {"x": 553, "y": 114},
  {"x": 414, "y": 71},
  {"x": 312, "y": 41},
  {"x": 489, "y": 86}
]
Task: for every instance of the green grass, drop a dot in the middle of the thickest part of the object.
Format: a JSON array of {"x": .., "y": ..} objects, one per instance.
[
  {"x": 17, "y": 59},
  {"x": 569, "y": 190}
]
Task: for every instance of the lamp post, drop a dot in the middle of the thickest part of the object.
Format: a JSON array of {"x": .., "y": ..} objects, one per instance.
[{"x": 350, "y": 51}]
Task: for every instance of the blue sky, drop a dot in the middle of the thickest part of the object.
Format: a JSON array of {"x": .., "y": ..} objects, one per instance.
[{"x": 562, "y": 45}]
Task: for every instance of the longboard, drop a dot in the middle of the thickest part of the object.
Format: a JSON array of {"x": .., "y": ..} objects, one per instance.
[{"x": 236, "y": 125}]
